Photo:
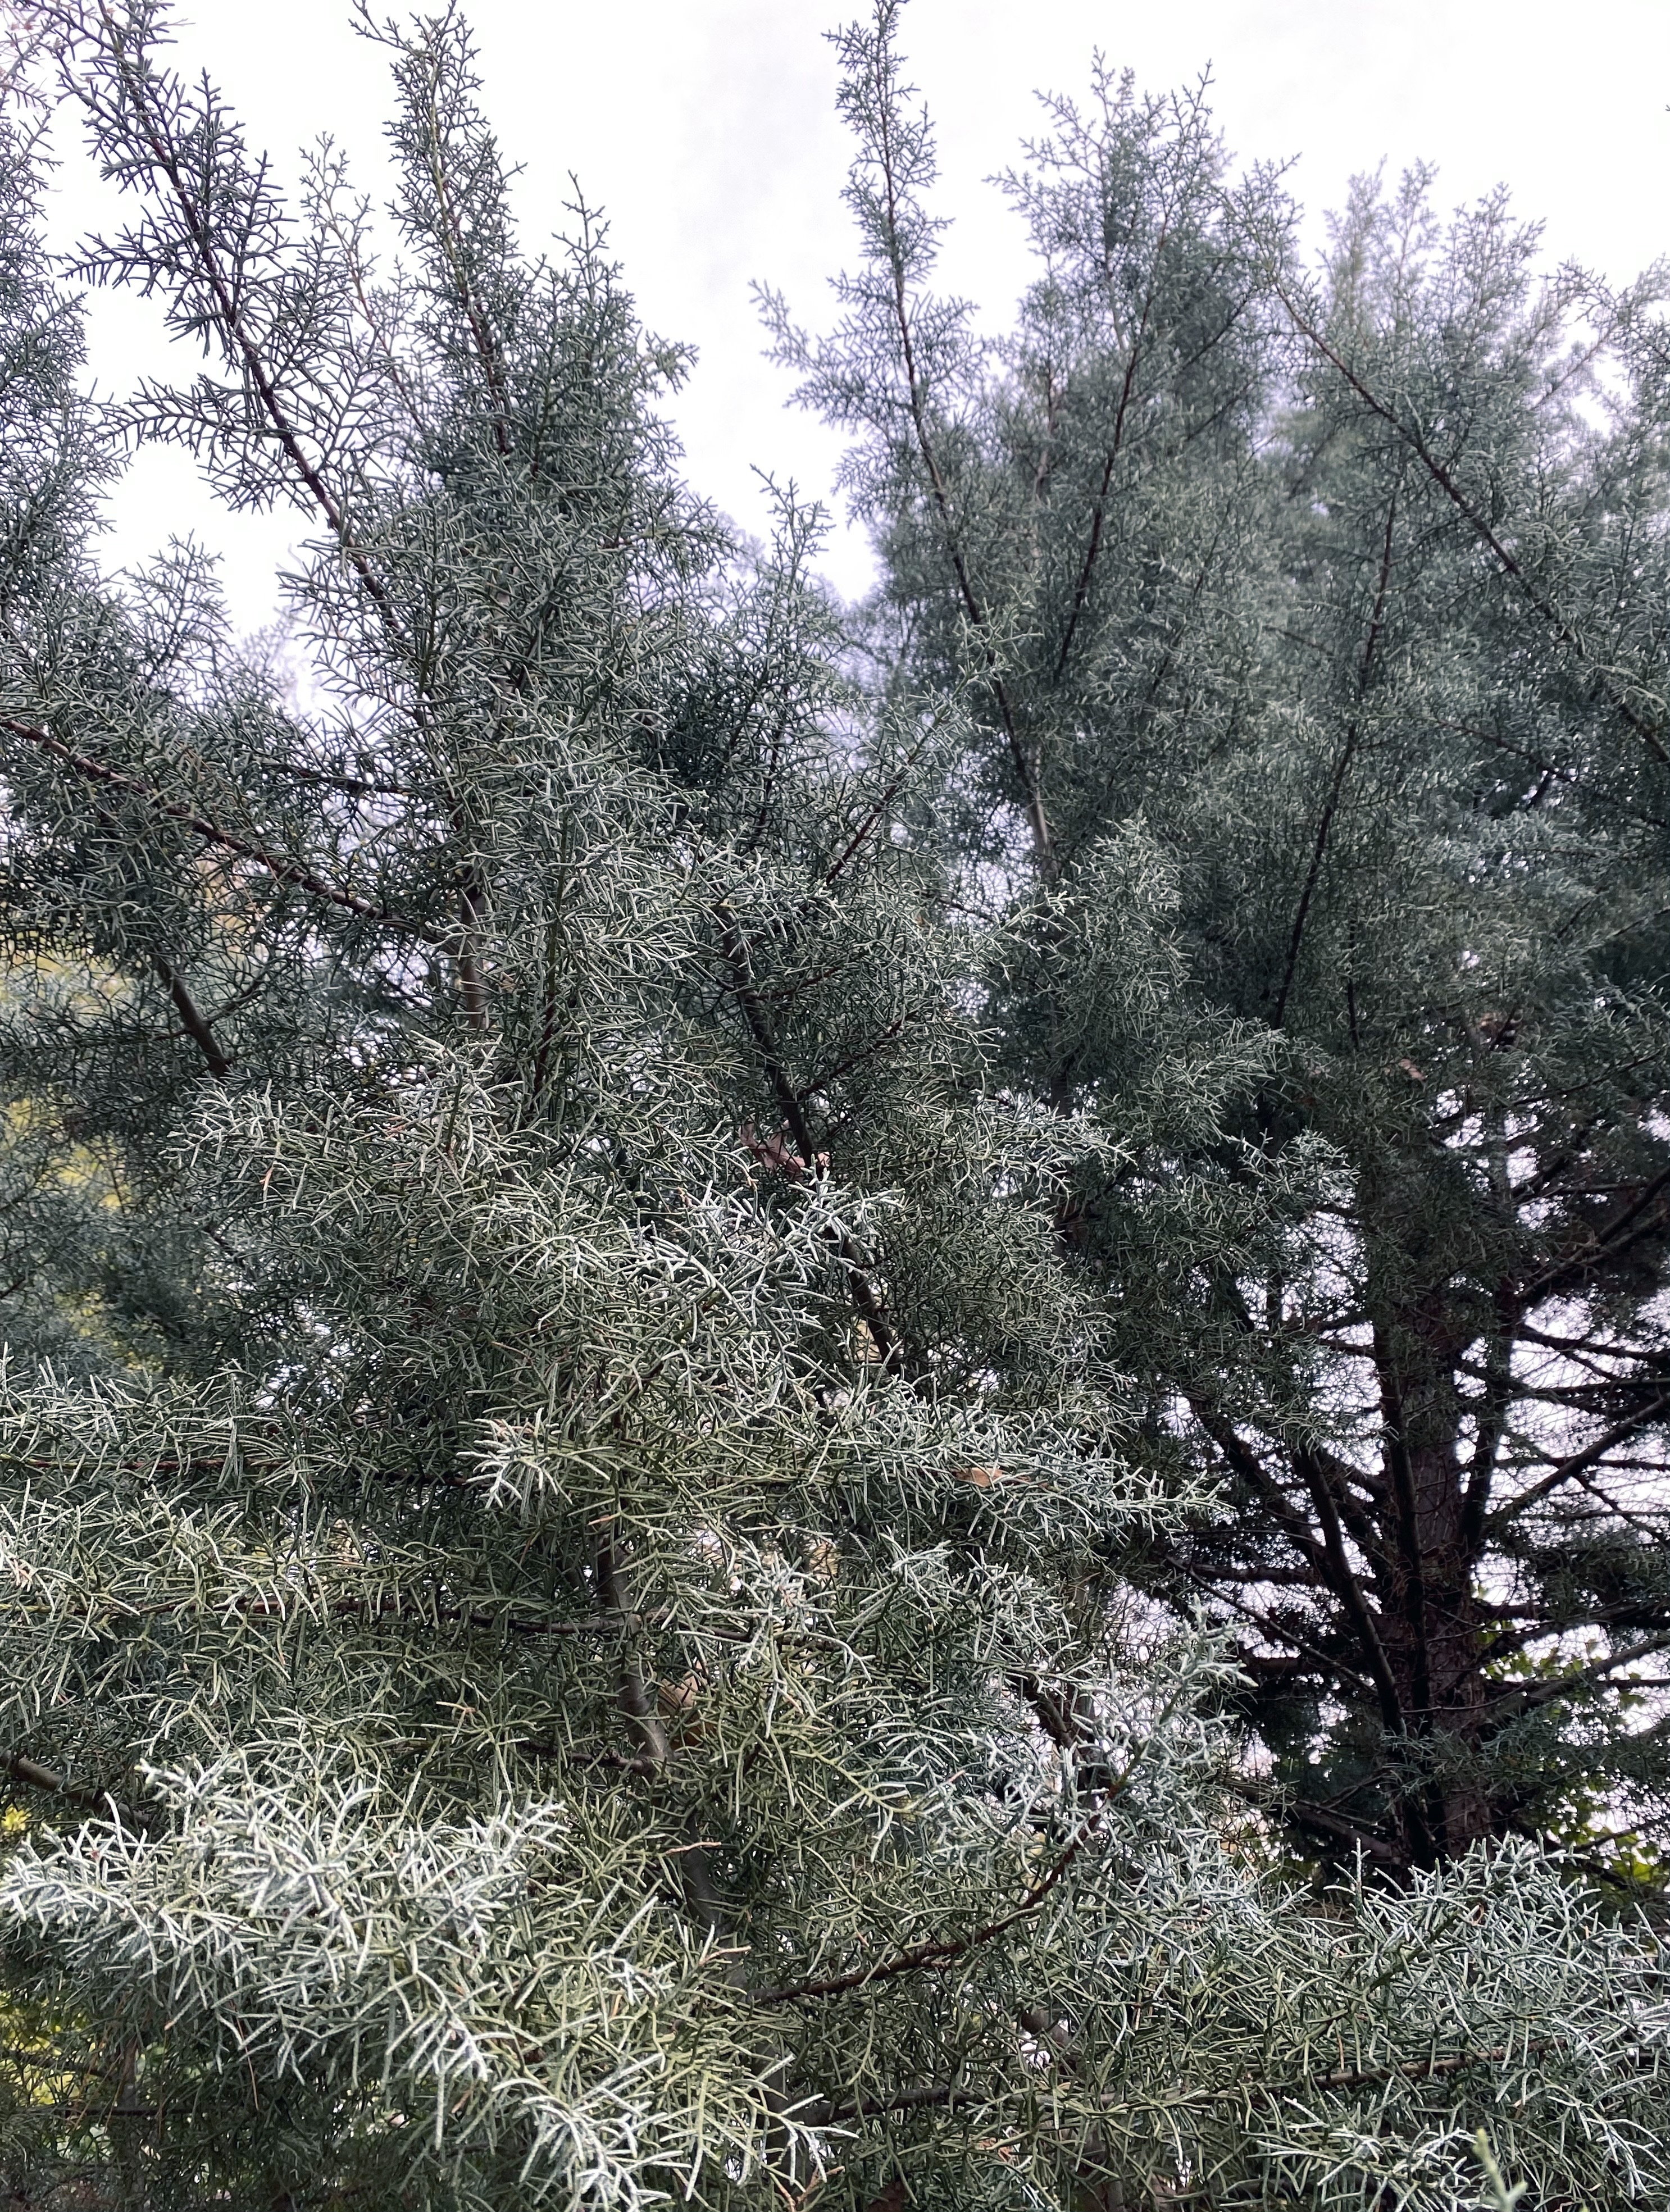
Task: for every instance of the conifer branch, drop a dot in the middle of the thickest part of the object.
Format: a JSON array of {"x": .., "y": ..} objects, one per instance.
[
  {"x": 1335, "y": 2081},
  {"x": 1081, "y": 589},
  {"x": 941, "y": 1951},
  {"x": 1648, "y": 732},
  {"x": 1322, "y": 1822},
  {"x": 193, "y": 1021},
  {"x": 916, "y": 398},
  {"x": 222, "y": 290},
  {"x": 346, "y": 1403},
  {"x": 1575, "y": 1463},
  {"x": 1331, "y": 806},
  {"x": 279, "y": 865},
  {"x": 734, "y": 945},
  {"x": 18, "y": 1766},
  {"x": 1640, "y": 1218}
]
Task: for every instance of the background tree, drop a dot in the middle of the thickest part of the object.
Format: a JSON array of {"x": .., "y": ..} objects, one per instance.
[
  {"x": 1318, "y": 619},
  {"x": 566, "y": 1645}
]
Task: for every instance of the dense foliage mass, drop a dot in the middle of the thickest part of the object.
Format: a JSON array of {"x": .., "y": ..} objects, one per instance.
[
  {"x": 1333, "y": 608},
  {"x": 817, "y": 1406}
]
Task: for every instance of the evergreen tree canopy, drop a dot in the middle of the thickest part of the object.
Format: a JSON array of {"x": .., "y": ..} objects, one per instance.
[
  {"x": 1319, "y": 616},
  {"x": 619, "y": 1195}
]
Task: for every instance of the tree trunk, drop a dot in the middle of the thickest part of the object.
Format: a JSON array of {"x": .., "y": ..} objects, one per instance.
[{"x": 1427, "y": 1593}]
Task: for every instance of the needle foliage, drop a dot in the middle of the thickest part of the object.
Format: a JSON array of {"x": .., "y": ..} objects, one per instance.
[
  {"x": 616, "y": 1191},
  {"x": 1315, "y": 615}
]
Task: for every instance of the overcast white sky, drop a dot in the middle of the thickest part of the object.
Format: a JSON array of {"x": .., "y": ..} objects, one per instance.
[{"x": 705, "y": 130}]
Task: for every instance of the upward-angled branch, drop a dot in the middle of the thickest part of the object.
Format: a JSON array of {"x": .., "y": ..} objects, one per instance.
[
  {"x": 745, "y": 991},
  {"x": 1081, "y": 590},
  {"x": 232, "y": 320},
  {"x": 1345, "y": 1587},
  {"x": 192, "y": 1020},
  {"x": 1246, "y": 1463},
  {"x": 1025, "y": 768},
  {"x": 1491, "y": 1413},
  {"x": 1314, "y": 872},
  {"x": 1331, "y": 806},
  {"x": 1551, "y": 1688},
  {"x": 1639, "y": 1217},
  {"x": 1566, "y": 1470},
  {"x": 1649, "y": 732},
  {"x": 1322, "y": 1823}
]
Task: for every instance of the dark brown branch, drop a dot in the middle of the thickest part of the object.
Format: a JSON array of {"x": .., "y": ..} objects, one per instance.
[
  {"x": 1548, "y": 769},
  {"x": 353, "y": 786},
  {"x": 1412, "y": 2070},
  {"x": 18, "y": 1766},
  {"x": 1274, "y": 1630},
  {"x": 747, "y": 995},
  {"x": 867, "y": 827},
  {"x": 1313, "y": 874},
  {"x": 1343, "y": 1480},
  {"x": 1327, "y": 1559},
  {"x": 1527, "y": 1697},
  {"x": 1345, "y": 1587},
  {"x": 1490, "y": 1414},
  {"x": 1324, "y": 828},
  {"x": 1246, "y": 1463},
  {"x": 942, "y": 1951},
  {"x": 1043, "y": 848},
  {"x": 1321, "y": 1822},
  {"x": 1564, "y": 1274},
  {"x": 1564, "y": 1470},
  {"x": 232, "y": 322},
  {"x": 1081, "y": 590},
  {"x": 192, "y": 1020},
  {"x": 1413, "y": 1560},
  {"x": 281, "y": 868}
]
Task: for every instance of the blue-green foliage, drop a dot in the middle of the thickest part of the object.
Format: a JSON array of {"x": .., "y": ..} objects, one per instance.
[{"x": 580, "y": 1627}]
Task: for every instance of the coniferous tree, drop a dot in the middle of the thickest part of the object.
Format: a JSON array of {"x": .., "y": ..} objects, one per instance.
[
  {"x": 566, "y": 1642},
  {"x": 1329, "y": 607}
]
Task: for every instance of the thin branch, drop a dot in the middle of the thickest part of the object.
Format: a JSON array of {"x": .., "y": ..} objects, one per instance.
[
  {"x": 938, "y": 1951},
  {"x": 1561, "y": 1274},
  {"x": 193, "y": 1021},
  {"x": 941, "y": 2097},
  {"x": 1081, "y": 590},
  {"x": 278, "y": 865},
  {"x": 942, "y": 1951},
  {"x": 1564, "y": 1470},
  {"x": 1534, "y": 597},
  {"x": 1321, "y": 1822},
  {"x": 18, "y": 1766},
  {"x": 1527, "y": 1697},
  {"x": 936, "y": 2098},
  {"x": 1043, "y": 845},
  {"x": 1327, "y": 1557},
  {"x": 747, "y": 995},
  {"x": 232, "y": 322},
  {"x": 872, "y": 821},
  {"x": 1272, "y": 1627},
  {"x": 475, "y": 313},
  {"x": 1324, "y": 828}
]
